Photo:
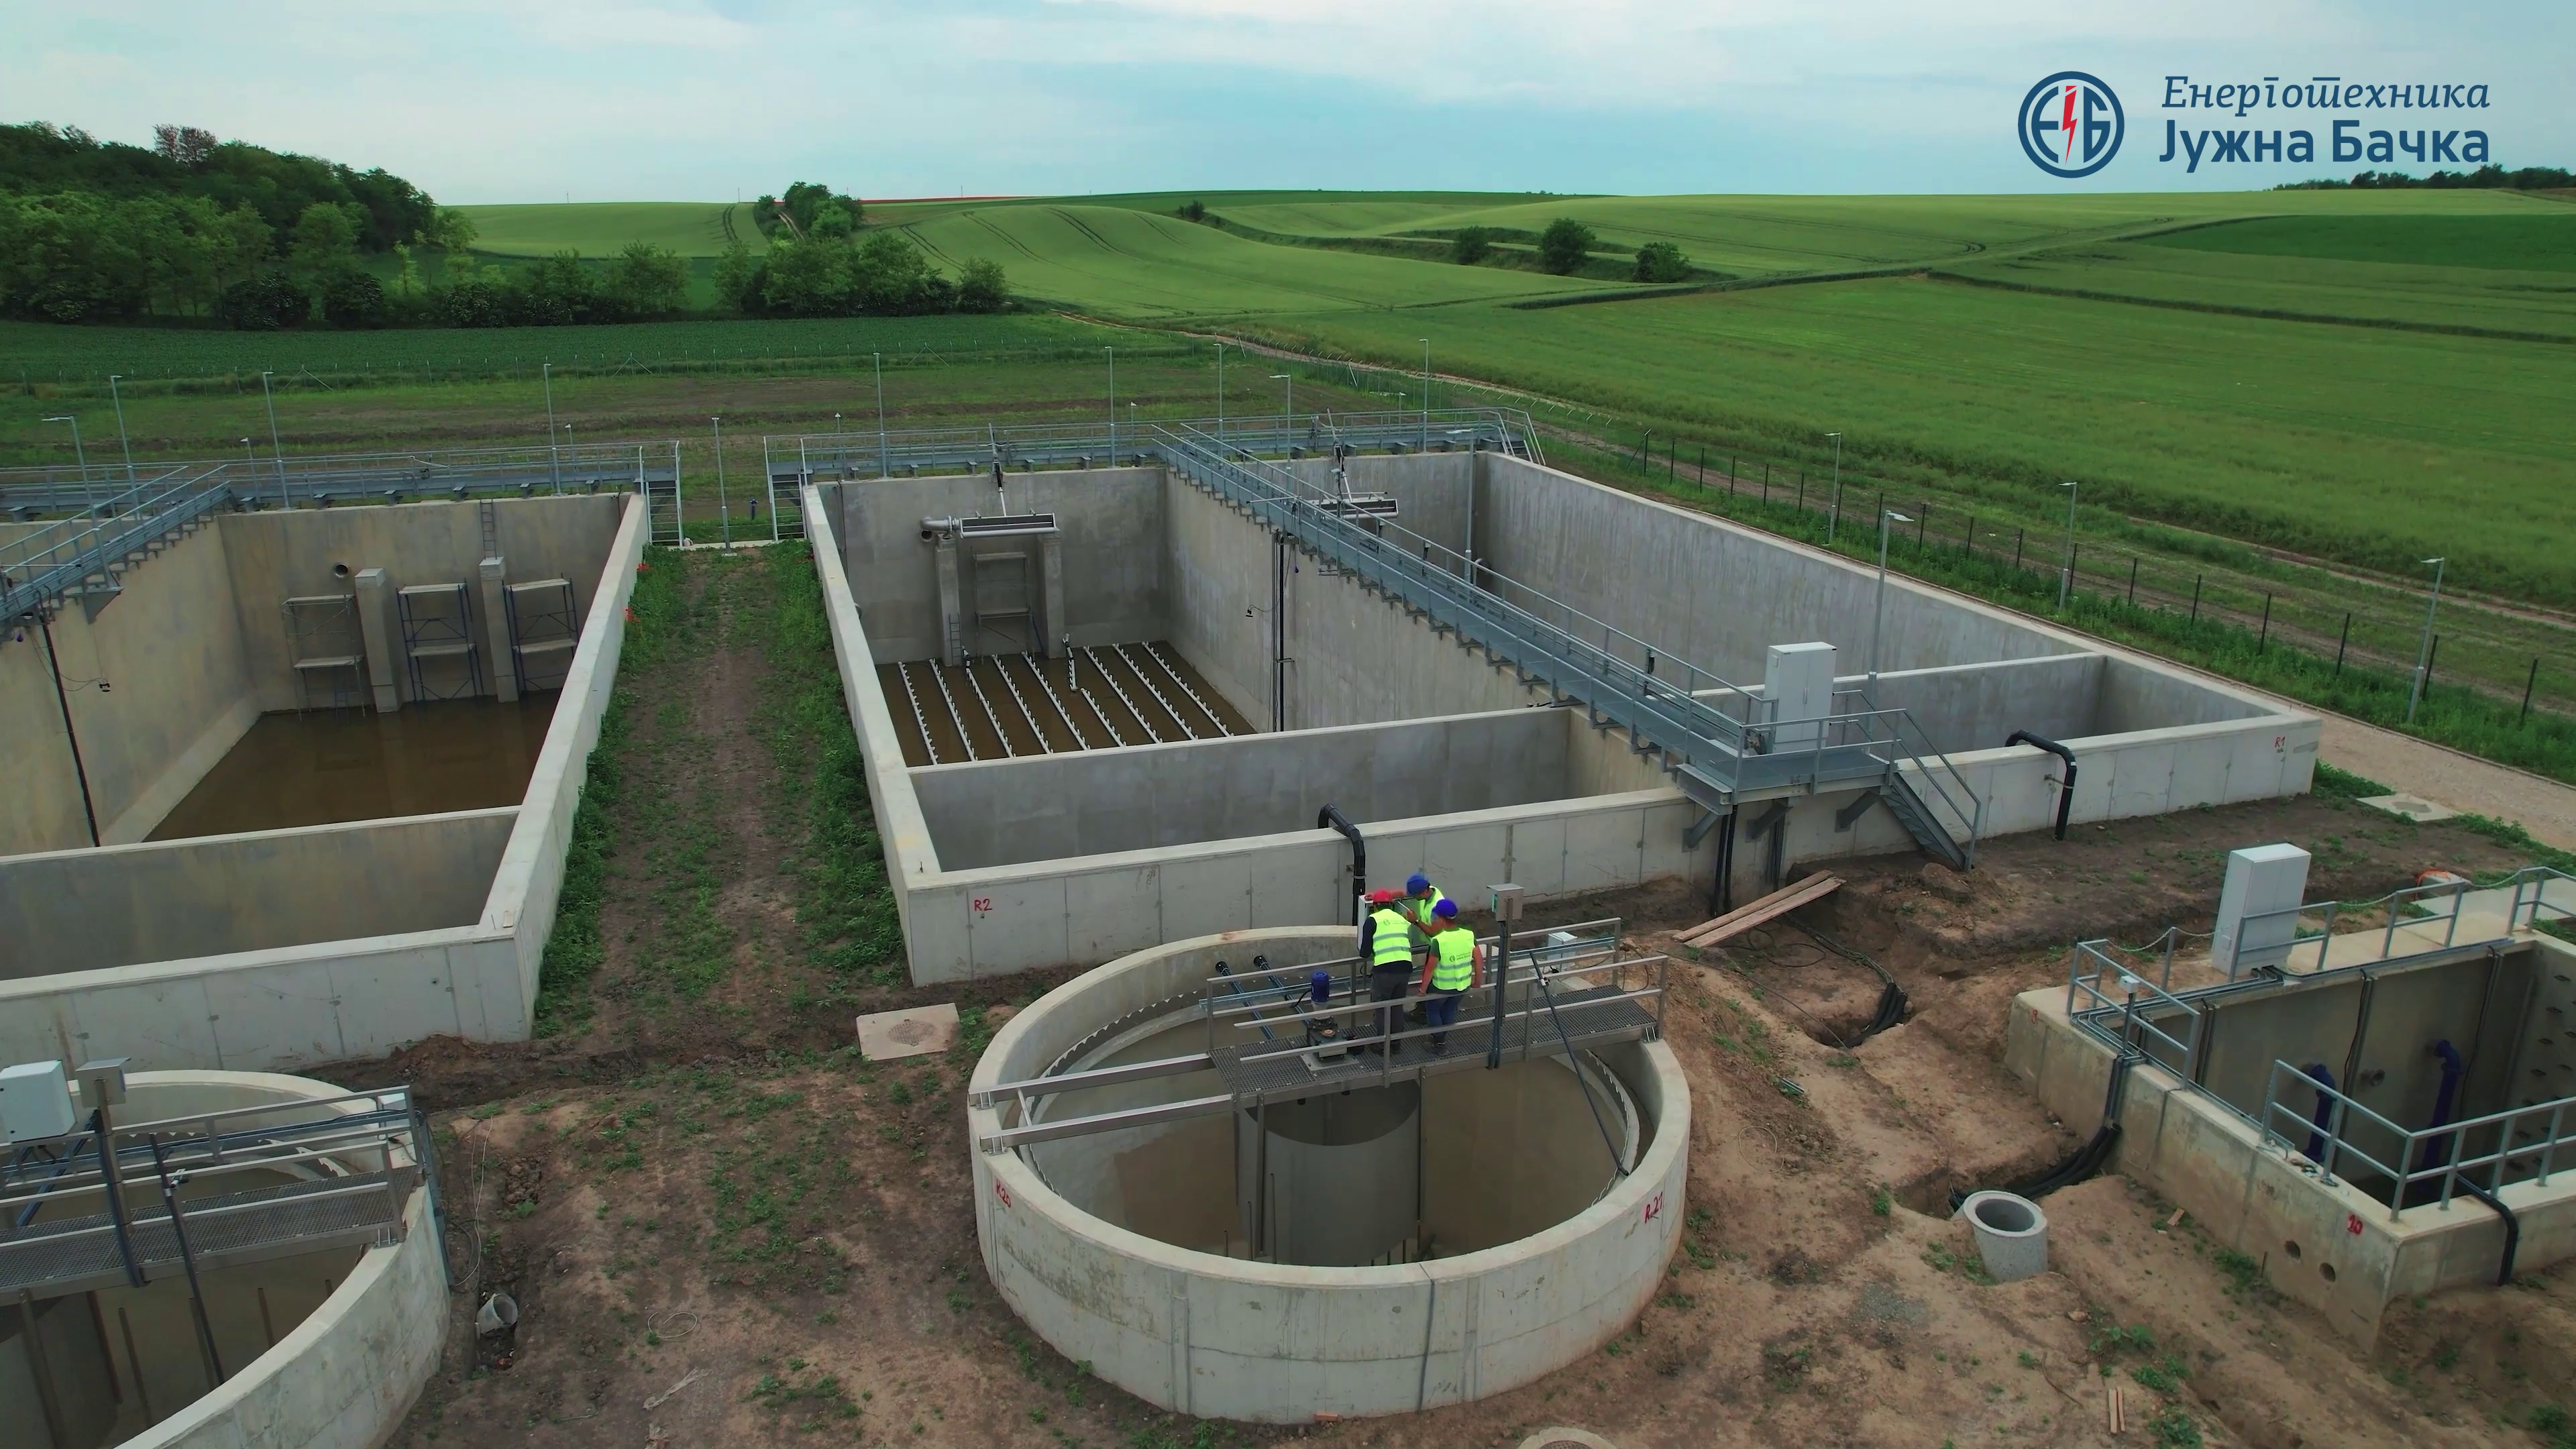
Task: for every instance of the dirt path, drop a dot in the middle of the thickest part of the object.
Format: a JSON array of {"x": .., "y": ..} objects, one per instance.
[{"x": 2444, "y": 776}]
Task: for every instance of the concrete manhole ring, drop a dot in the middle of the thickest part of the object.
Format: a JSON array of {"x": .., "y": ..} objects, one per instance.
[{"x": 1566, "y": 1439}]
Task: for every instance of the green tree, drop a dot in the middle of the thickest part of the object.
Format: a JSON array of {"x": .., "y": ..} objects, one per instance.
[
  {"x": 557, "y": 292},
  {"x": 1565, "y": 246},
  {"x": 807, "y": 279},
  {"x": 1661, "y": 261},
  {"x": 648, "y": 281},
  {"x": 451, "y": 231},
  {"x": 734, "y": 271},
  {"x": 981, "y": 288},
  {"x": 354, "y": 300},
  {"x": 324, "y": 250},
  {"x": 891, "y": 278},
  {"x": 1471, "y": 245}
]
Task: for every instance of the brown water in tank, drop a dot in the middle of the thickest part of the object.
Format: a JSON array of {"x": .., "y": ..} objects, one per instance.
[{"x": 327, "y": 766}]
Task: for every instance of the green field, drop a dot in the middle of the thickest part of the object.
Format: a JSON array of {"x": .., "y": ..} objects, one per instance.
[
  {"x": 602, "y": 229},
  {"x": 2522, "y": 242}
]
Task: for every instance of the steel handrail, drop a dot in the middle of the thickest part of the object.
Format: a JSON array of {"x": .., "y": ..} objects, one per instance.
[{"x": 2332, "y": 1137}]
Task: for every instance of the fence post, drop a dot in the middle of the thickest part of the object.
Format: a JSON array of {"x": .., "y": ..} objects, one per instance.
[
  {"x": 2196, "y": 580},
  {"x": 1766, "y": 483},
  {"x": 2340, "y": 643},
  {"x": 2133, "y": 581},
  {"x": 1922, "y": 523},
  {"x": 1968, "y": 539},
  {"x": 1802, "y": 489},
  {"x": 1703, "y": 467},
  {"x": 2265, "y": 635},
  {"x": 2018, "y": 533},
  {"x": 1673, "y": 460},
  {"x": 2527, "y": 682}
]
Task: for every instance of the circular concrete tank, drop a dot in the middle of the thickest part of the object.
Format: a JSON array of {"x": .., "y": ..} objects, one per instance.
[
  {"x": 1430, "y": 1242},
  {"x": 320, "y": 1350}
]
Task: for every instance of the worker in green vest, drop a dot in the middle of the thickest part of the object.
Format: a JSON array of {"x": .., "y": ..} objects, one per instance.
[
  {"x": 1454, "y": 966},
  {"x": 1421, "y": 904},
  {"x": 1392, "y": 947}
]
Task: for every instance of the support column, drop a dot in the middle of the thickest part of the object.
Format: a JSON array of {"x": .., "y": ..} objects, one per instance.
[
  {"x": 952, "y": 630},
  {"x": 1053, "y": 625},
  {"x": 496, "y": 633},
  {"x": 376, "y": 636}
]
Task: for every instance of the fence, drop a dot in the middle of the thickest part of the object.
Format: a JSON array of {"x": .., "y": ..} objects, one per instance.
[{"x": 2323, "y": 1126}]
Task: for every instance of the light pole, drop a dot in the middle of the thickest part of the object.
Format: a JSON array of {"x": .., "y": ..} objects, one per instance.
[
  {"x": 2066, "y": 573},
  {"x": 1220, "y": 396},
  {"x": 840, "y": 446},
  {"x": 554, "y": 458},
  {"x": 89, "y": 496},
  {"x": 724, "y": 509},
  {"x": 2424, "y": 652},
  {"x": 1426, "y": 392},
  {"x": 1878, "y": 620},
  {"x": 1113, "y": 405},
  {"x": 882, "y": 468},
  {"x": 276, "y": 448},
  {"x": 121, "y": 440},
  {"x": 1834, "y": 519},
  {"x": 1288, "y": 409}
]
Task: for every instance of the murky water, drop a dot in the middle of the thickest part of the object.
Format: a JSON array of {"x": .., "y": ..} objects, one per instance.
[{"x": 326, "y": 766}]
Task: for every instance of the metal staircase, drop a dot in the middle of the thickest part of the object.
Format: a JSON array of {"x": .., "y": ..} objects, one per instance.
[
  {"x": 85, "y": 559},
  {"x": 1715, "y": 739}
]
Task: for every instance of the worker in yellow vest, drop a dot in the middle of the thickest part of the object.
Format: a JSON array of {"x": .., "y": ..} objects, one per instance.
[
  {"x": 1421, "y": 903},
  {"x": 1454, "y": 966},
  {"x": 1392, "y": 947}
]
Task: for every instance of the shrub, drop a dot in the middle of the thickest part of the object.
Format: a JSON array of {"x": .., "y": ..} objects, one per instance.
[
  {"x": 1565, "y": 246},
  {"x": 1471, "y": 245},
  {"x": 1661, "y": 261}
]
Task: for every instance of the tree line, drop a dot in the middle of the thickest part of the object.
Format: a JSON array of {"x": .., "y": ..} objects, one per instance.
[
  {"x": 224, "y": 231},
  {"x": 2489, "y": 177}
]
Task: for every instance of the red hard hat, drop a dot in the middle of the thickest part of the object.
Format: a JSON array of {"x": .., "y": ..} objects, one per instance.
[{"x": 1381, "y": 898}]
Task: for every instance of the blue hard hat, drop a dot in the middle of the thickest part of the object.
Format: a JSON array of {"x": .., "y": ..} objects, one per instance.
[
  {"x": 1446, "y": 909},
  {"x": 1416, "y": 884}
]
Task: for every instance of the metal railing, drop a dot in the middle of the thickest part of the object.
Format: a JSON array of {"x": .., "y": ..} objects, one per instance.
[
  {"x": 2111, "y": 1000},
  {"x": 43, "y": 566},
  {"x": 2322, "y": 1130},
  {"x": 2405, "y": 911},
  {"x": 368, "y": 477},
  {"x": 856, "y": 453},
  {"x": 1630, "y": 681}
]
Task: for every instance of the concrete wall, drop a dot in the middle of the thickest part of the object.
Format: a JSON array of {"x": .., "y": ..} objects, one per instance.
[
  {"x": 275, "y": 555},
  {"x": 158, "y": 690},
  {"x": 1974, "y": 706},
  {"x": 1005, "y": 812},
  {"x": 1218, "y": 1337},
  {"x": 529, "y": 878},
  {"x": 82, "y": 910},
  {"x": 1356, "y": 658},
  {"x": 2331, "y": 1247},
  {"x": 1112, "y": 523}
]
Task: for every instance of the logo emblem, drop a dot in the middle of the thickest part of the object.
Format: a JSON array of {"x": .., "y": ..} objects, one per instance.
[{"x": 2071, "y": 125}]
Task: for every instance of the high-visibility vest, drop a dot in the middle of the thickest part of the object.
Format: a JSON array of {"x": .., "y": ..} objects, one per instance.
[
  {"x": 1392, "y": 944},
  {"x": 1424, "y": 910},
  {"x": 1457, "y": 964}
]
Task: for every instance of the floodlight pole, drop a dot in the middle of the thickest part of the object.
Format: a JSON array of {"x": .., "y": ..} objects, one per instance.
[
  {"x": 122, "y": 440},
  {"x": 89, "y": 495},
  {"x": 276, "y": 447},
  {"x": 1878, "y": 620},
  {"x": 883, "y": 469},
  {"x": 1288, "y": 409},
  {"x": 2424, "y": 652},
  {"x": 554, "y": 456},
  {"x": 1113, "y": 405},
  {"x": 1834, "y": 519},
  {"x": 2066, "y": 571},
  {"x": 1426, "y": 392},
  {"x": 724, "y": 509},
  {"x": 1220, "y": 397}
]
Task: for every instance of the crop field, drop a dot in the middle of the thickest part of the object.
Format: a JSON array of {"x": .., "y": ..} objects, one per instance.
[
  {"x": 602, "y": 229},
  {"x": 1138, "y": 264},
  {"x": 2522, "y": 240}
]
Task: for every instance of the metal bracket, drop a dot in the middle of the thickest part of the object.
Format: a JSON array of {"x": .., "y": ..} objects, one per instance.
[
  {"x": 1848, "y": 814},
  {"x": 1697, "y": 830},
  {"x": 1768, "y": 821}
]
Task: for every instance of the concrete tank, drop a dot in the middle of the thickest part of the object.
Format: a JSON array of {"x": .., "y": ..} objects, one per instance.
[{"x": 1366, "y": 1251}]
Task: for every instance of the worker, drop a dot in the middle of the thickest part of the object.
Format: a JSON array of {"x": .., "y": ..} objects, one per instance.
[
  {"x": 1422, "y": 902},
  {"x": 1392, "y": 948},
  {"x": 1454, "y": 966}
]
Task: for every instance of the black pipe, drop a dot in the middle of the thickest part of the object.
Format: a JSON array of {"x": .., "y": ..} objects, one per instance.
[
  {"x": 45, "y": 626},
  {"x": 2066, "y": 795},
  {"x": 2512, "y": 1226},
  {"x": 1333, "y": 817}
]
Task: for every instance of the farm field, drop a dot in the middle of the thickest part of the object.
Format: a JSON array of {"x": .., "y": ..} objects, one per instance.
[
  {"x": 2364, "y": 445},
  {"x": 602, "y": 229},
  {"x": 1137, "y": 264}
]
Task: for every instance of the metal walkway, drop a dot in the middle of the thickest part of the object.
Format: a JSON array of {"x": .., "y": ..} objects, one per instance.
[{"x": 1713, "y": 737}]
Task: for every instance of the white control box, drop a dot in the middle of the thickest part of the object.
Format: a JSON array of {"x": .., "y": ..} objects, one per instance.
[
  {"x": 2258, "y": 908},
  {"x": 35, "y": 1103},
  {"x": 1798, "y": 680}
]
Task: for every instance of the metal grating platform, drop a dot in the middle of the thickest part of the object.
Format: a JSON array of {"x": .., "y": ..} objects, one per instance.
[{"x": 1277, "y": 1071}]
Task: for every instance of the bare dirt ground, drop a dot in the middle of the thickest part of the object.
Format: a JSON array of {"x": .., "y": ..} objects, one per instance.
[{"x": 722, "y": 1227}]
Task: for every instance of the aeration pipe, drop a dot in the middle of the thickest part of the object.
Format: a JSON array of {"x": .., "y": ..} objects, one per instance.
[
  {"x": 2066, "y": 795},
  {"x": 1331, "y": 816}
]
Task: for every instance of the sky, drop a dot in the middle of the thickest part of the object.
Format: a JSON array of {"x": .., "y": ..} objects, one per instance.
[{"x": 495, "y": 101}]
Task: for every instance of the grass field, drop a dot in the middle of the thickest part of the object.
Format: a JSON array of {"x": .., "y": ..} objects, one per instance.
[
  {"x": 2523, "y": 241},
  {"x": 602, "y": 229}
]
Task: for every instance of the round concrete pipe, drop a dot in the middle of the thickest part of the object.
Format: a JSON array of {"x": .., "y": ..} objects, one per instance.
[
  {"x": 1525, "y": 1248},
  {"x": 2011, "y": 1234},
  {"x": 323, "y": 1350}
]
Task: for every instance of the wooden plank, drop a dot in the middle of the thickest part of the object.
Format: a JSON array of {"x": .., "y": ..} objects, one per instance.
[{"x": 1779, "y": 903}]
